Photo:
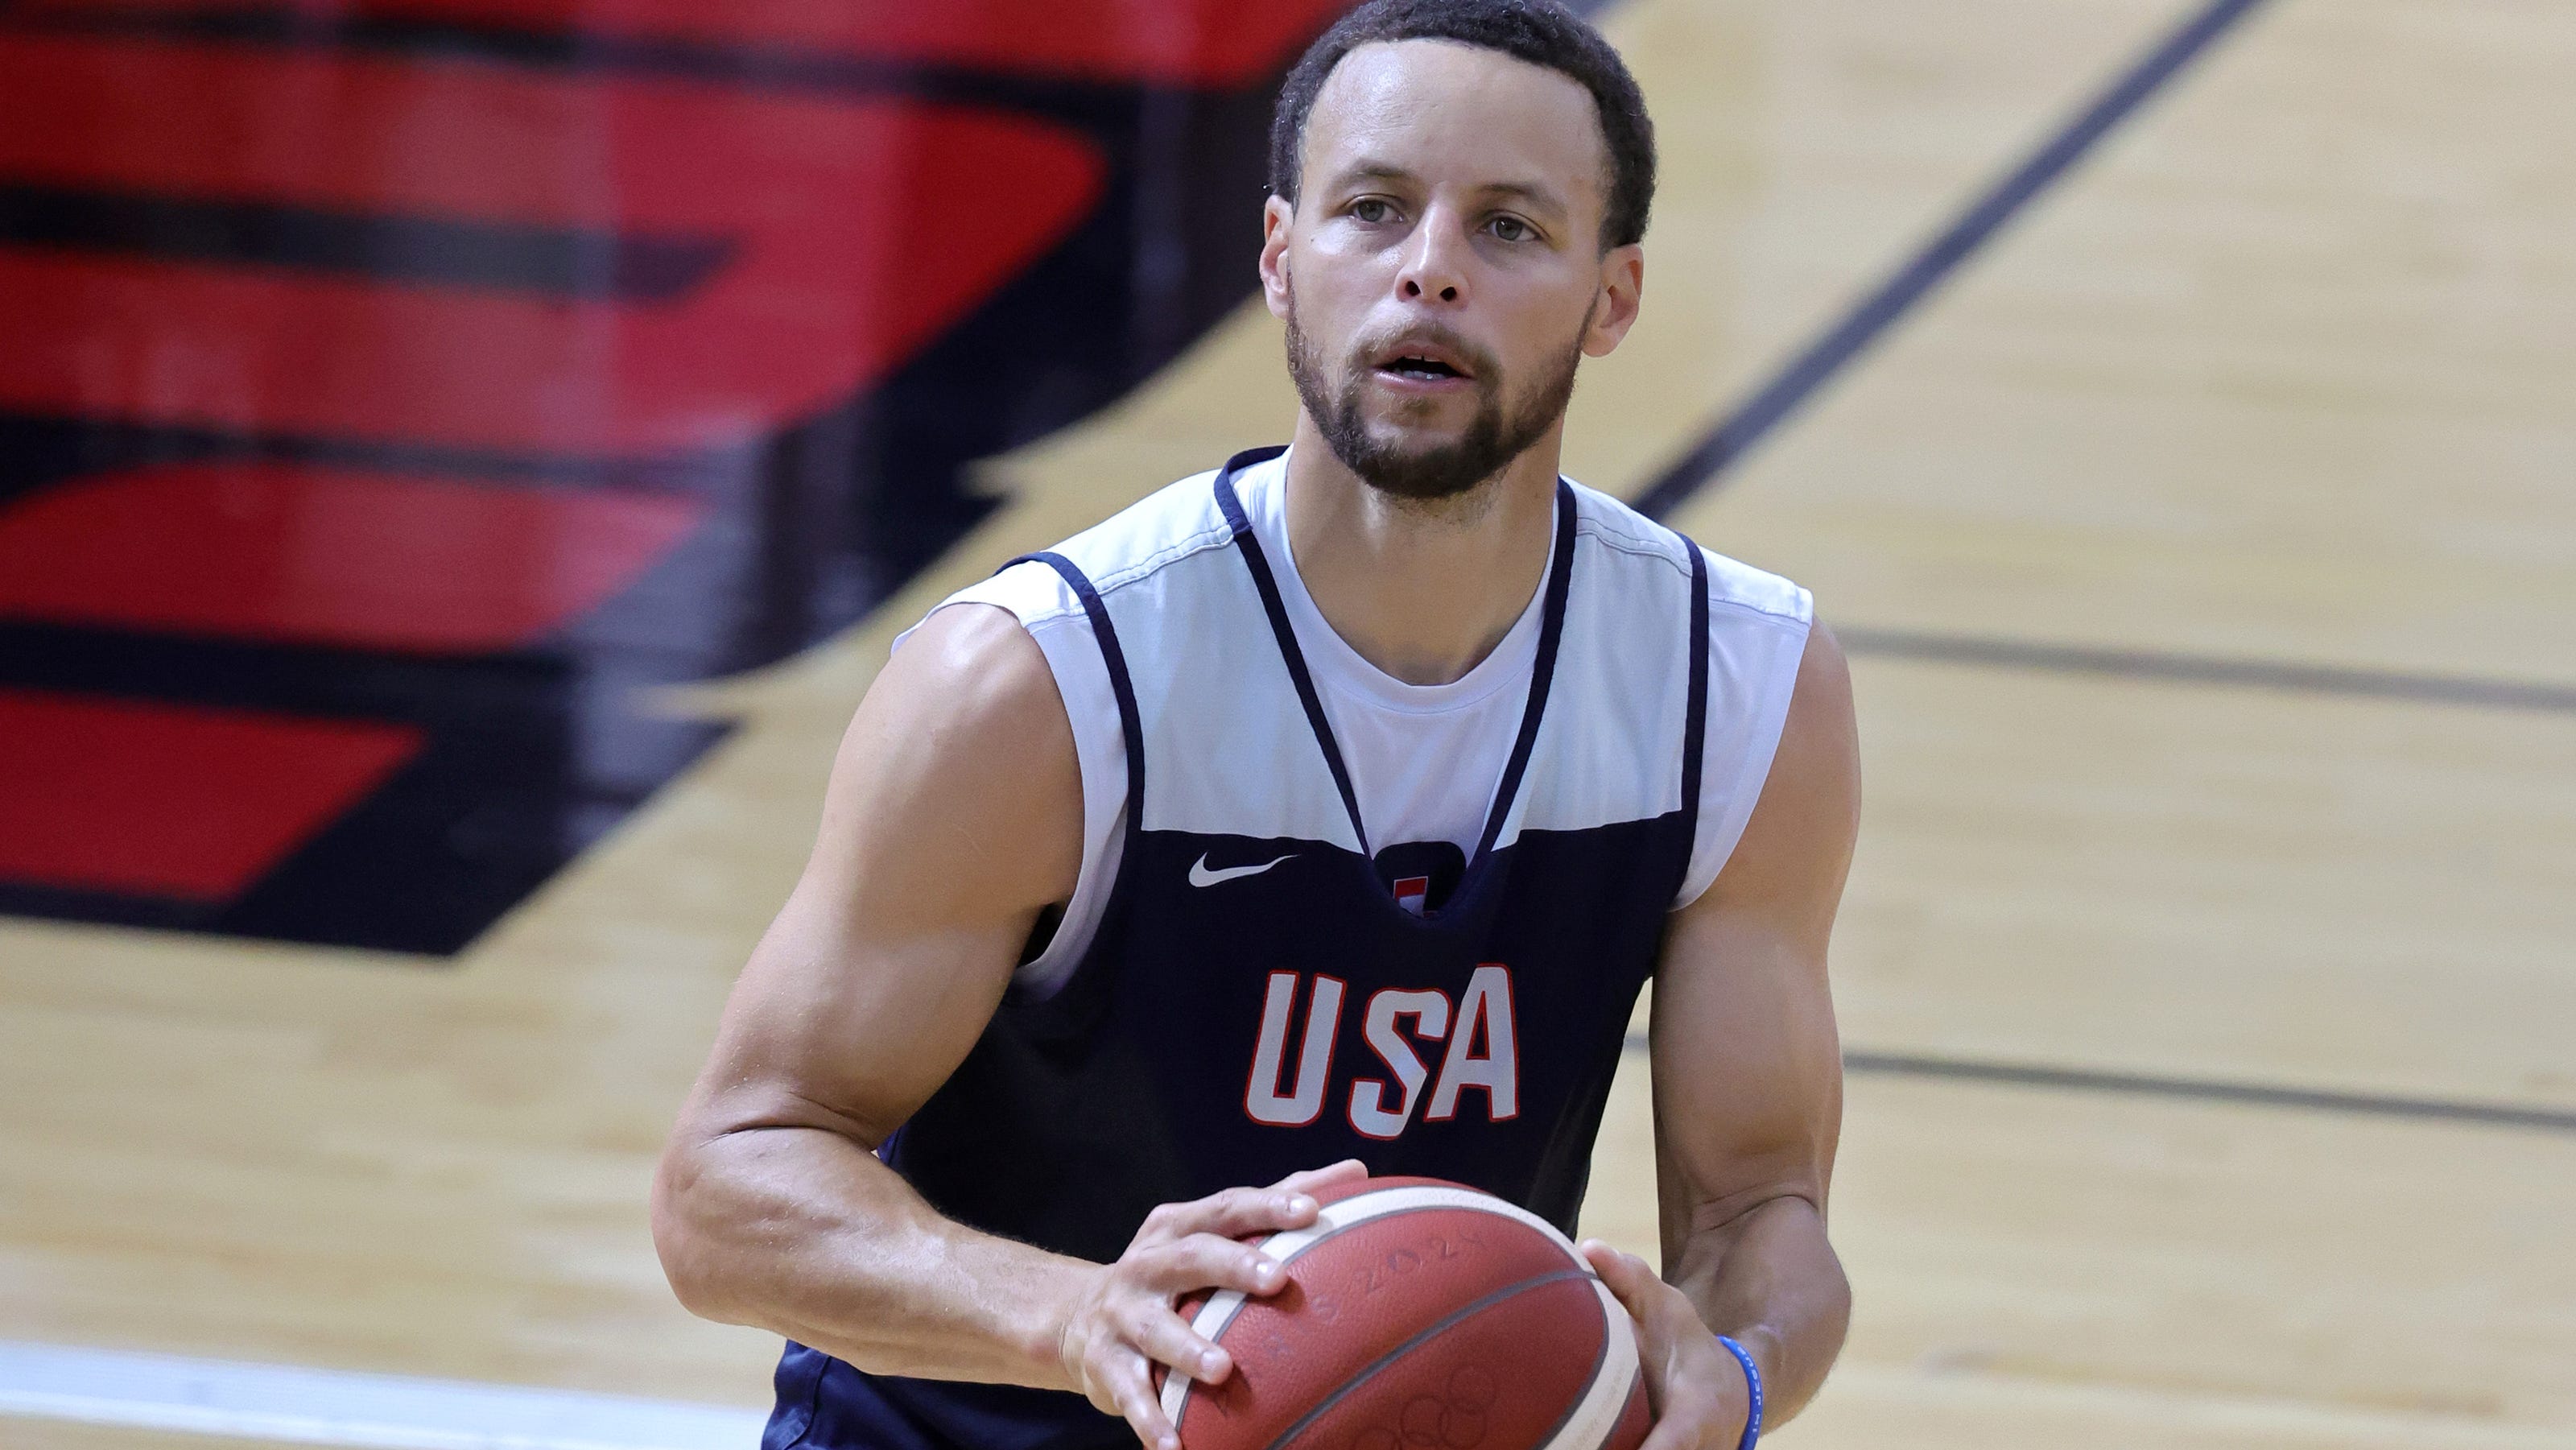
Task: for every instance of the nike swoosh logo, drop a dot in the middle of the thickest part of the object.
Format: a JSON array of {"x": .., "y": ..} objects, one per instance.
[{"x": 1200, "y": 875}]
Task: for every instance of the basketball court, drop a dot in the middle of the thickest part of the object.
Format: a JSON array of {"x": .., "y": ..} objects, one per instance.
[{"x": 2172, "y": 405}]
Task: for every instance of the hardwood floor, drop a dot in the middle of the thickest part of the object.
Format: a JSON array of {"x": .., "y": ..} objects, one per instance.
[{"x": 2283, "y": 375}]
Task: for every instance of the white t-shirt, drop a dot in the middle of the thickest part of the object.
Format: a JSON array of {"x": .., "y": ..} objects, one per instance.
[{"x": 1424, "y": 759}]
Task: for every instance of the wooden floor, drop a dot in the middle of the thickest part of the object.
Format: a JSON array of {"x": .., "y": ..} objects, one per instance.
[{"x": 2284, "y": 377}]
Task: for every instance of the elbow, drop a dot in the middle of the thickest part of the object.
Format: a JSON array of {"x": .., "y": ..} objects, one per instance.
[
  {"x": 680, "y": 1240},
  {"x": 1838, "y": 1303}
]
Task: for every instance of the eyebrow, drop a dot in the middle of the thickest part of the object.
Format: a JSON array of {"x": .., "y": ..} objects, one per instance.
[{"x": 1533, "y": 191}]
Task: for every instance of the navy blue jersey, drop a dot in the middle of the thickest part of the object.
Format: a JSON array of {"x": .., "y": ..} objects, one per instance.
[{"x": 1262, "y": 986}]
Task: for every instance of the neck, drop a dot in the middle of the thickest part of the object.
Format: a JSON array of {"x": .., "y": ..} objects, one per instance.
[{"x": 1423, "y": 590}]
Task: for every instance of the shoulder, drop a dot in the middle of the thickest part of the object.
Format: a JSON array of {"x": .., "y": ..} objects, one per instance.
[
  {"x": 963, "y": 744},
  {"x": 1634, "y": 544},
  {"x": 1168, "y": 526},
  {"x": 969, "y": 665},
  {"x": 1175, "y": 523},
  {"x": 1820, "y": 726},
  {"x": 1797, "y": 844}
]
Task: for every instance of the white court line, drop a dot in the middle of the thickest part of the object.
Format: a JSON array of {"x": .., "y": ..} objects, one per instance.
[{"x": 333, "y": 1407}]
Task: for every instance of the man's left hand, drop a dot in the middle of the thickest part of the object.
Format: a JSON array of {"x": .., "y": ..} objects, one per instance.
[{"x": 1697, "y": 1390}]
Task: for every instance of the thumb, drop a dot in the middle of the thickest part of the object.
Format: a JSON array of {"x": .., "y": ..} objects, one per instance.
[{"x": 1627, "y": 1276}]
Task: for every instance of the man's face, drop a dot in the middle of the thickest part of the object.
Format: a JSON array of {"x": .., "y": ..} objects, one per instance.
[{"x": 1441, "y": 273}]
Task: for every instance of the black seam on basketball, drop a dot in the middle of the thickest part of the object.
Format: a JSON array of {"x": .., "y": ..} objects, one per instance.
[
  {"x": 1608, "y": 1327},
  {"x": 1421, "y": 1337},
  {"x": 1217, "y": 1333}
]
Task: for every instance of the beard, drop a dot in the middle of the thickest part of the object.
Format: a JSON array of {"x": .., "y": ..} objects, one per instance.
[{"x": 1501, "y": 431}]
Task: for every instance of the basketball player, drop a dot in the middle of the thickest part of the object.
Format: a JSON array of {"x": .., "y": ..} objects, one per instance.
[{"x": 1331, "y": 806}]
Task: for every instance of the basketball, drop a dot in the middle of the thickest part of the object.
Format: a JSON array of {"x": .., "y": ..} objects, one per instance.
[{"x": 1418, "y": 1315}]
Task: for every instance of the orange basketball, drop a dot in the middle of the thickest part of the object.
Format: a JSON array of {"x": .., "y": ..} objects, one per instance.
[{"x": 1418, "y": 1315}]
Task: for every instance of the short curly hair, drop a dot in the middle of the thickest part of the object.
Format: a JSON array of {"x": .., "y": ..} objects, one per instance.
[{"x": 1538, "y": 31}]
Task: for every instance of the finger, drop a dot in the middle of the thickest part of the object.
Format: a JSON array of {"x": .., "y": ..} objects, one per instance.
[
  {"x": 1307, "y": 1181},
  {"x": 1131, "y": 1389},
  {"x": 1208, "y": 1261},
  {"x": 1233, "y": 1213},
  {"x": 1168, "y": 1339}
]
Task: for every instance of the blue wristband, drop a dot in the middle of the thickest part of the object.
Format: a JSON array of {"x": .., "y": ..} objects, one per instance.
[{"x": 1753, "y": 1387}]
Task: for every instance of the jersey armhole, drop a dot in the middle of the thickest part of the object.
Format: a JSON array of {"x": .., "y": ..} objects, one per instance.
[
  {"x": 1756, "y": 670},
  {"x": 1048, "y": 610}
]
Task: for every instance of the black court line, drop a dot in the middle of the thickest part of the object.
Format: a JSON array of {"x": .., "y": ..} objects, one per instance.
[
  {"x": 2207, "y": 1090},
  {"x": 2489, "y": 694},
  {"x": 1866, "y": 322},
  {"x": 2495, "y": 1115}
]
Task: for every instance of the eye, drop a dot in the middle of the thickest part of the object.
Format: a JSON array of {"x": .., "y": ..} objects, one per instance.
[
  {"x": 1510, "y": 229},
  {"x": 1372, "y": 210}
]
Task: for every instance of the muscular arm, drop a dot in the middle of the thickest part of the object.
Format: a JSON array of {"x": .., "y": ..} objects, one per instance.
[
  {"x": 953, "y": 817},
  {"x": 1748, "y": 1092}
]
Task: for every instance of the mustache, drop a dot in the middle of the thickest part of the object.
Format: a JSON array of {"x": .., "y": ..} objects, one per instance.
[{"x": 1479, "y": 360}]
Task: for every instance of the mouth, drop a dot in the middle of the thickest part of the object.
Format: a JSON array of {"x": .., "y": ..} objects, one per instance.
[{"x": 1422, "y": 363}]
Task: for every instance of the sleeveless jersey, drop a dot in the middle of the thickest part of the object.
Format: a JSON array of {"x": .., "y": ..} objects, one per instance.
[{"x": 1260, "y": 985}]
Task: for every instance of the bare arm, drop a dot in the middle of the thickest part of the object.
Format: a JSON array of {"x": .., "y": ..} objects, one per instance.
[
  {"x": 1748, "y": 1095},
  {"x": 953, "y": 817}
]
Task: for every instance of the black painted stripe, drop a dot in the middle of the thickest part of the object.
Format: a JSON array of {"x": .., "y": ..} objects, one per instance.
[
  {"x": 770, "y": 66},
  {"x": 1963, "y": 649},
  {"x": 1869, "y": 319},
  {"x": 427, "y": 251},
  {"x": 2073, "y": 1079}
]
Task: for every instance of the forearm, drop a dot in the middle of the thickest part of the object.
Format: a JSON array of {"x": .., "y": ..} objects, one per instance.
[
  {"x": 803, "y": 1232},
  {"x": 1770, "y": 1281}
]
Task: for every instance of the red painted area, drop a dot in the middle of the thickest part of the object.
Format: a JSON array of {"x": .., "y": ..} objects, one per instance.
[
  {"x": 156, "y": 800},
  {"x": 1180, "y": 42},
  {"x": 276, "y": 551},
  {"x": 861, "y": 229}
]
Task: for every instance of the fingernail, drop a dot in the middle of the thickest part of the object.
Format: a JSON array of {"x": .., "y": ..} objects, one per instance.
[
  {"x": 1300, "y": 1203},
  {"x": 1211, "y": 1362}
]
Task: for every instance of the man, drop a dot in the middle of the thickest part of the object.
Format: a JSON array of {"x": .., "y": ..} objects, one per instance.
[{"x": 1333, "y": 806}]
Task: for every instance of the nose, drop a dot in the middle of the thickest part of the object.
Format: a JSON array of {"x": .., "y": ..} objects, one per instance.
[{"x": 1435, "y": 260}]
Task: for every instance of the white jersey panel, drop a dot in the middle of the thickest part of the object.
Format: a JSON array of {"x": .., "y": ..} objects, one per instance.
[
  {"x": 1227, "y": 747},
  {"x": 1424, "y": 759},
  {"x": 1229, "y": 750},
  {"x": 1609, "y": 745},
  {"x": 1757, "y": 634},
  {"x": 1047, "y": 608}
]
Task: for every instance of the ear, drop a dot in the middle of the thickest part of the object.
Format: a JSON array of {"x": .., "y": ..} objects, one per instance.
[
  {"x": 1614, "y": 308},
  {"x": 1276, "y": 217}
]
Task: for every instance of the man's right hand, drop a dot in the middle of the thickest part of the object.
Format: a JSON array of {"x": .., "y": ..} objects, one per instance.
[{"x": 1123, "y": 1322}]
